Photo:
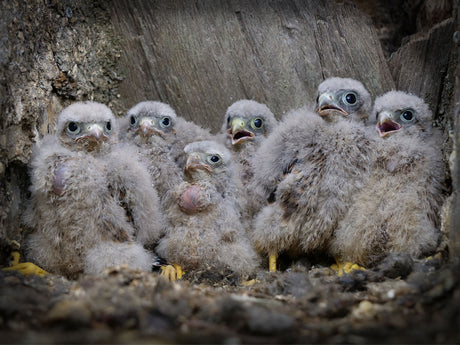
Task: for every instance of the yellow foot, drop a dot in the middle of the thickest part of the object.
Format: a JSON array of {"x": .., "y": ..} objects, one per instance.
[
  {"x": 26, "y": 268},
  {"x": 14, "y": 258},
  {"x": 250, "y": 282},
  {"x": 437, "y": 256},
  {"x": 272, "y": 262},
  {"x": 172, "y": 272},
  {"x": 345, "y": 267}
]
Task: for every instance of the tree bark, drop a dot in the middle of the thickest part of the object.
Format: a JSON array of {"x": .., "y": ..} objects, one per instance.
[{"x": 201, "y": 56}]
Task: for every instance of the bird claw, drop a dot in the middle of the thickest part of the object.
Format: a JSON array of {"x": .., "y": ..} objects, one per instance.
[
  {"x": 251, "y": 282},
  {"x": 272, "y": 262},
  {"x": 346, "y": 267},
  {"x": 172, "y": 272},
  {"x": 14, "y": 258},
  {"x": 27, "y": 268}
]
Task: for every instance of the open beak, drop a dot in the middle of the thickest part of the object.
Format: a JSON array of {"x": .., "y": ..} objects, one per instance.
[
  {"x": 238, "y": 133},
  {"x": 386, "y": 126},
  {"x": 328, "y": 106},
  {"x": 194, "y": 163}
]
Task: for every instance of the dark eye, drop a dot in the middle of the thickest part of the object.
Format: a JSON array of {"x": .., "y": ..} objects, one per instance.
[
  {"x": 165, "y": 122},
  {"x": 214, "y": 159},
  {"x": 407, "y": 116},
  {"x": 257, "y": 122},
  {"x": 228, "y": 120},
  {"x": 133, "y": 120},
  {"x": 108, "y": 126},
  {"x": 73, "y": 127},
  {"x": 350, "y": 98}
]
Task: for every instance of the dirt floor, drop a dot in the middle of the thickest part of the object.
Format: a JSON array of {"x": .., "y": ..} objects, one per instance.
[{"x": 401, "y": 301}]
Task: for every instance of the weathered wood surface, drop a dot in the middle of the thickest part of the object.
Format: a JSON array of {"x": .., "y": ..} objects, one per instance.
[
  {"x": 420, "y": 65},
  {"x": 454, "y": 213},
  {"x": 201, "y": 56}
]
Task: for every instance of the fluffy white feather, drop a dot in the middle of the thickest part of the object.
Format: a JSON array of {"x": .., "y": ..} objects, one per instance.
[
  {"x": 83, "y": 195},
  {"x": 399, "y": 208},
  {"x": 204, "y": 214},
  {"x": 246, "y": 125},
  {"x": 309, "y": 168}
]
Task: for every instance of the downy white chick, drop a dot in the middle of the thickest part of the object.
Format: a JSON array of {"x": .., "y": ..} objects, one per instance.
[
  {"x": 92, "y": 203},
  {"x": 309, "y": 168},
  {"x": 399, "y": 208},
  {"x": 205, "y": 216}
]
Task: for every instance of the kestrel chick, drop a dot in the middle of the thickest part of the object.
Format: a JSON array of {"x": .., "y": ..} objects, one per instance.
[
  {"x": 205, "y": 216},
  {"x": 399, "y": 208},
  {"x": 309, "y": 168},
  {"x": 82, "y": 199}
]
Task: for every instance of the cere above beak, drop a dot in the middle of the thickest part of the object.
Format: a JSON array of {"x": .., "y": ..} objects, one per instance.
[
  {"x": 328, "y": 106},
  {"x": 194, "y": 163},
  {"x": 238, "y": 131},
  {"x": 147, "y": 128},
  {"x": 94, "y": 134}
]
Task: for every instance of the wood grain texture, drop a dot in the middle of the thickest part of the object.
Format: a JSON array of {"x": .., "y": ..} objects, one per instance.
[
  {"x": 421, "y": 64},
  {"x": 201, "y": 56},
  {"x": 453, "y": 213}
]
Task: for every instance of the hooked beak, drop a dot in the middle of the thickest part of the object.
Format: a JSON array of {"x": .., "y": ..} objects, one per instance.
[
  {"x": 328, "y": 106},
  {"x": 94, "y": 133},
  {"x": 386, "y": 126},
  {"x": 194, "y": 163},
  {"x": 147, "y": 127},
  {"x": 238, "y": 133}
]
